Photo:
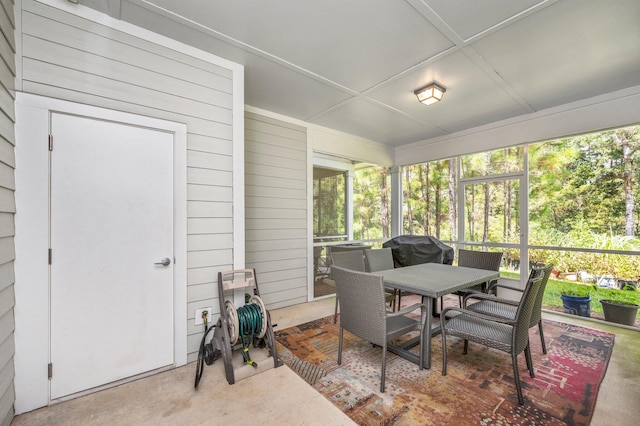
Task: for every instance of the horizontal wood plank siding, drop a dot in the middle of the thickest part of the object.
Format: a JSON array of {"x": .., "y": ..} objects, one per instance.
[
  {"x": 7, "y": 210},
  {"x": 276, "y": 208},
  {"x": 68, "y": 57}
]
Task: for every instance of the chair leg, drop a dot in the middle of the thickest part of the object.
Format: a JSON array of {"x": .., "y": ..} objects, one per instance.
[
  {"x": 340, "y": 347},
  {"x": 421, "y": 356},
  {"x": 516, "y": 377},
  {"x": 444, "y": 353},
  {"x": 527, "y": 354},
  {"x": 392, "y": 304},
  {"x": 465, "y": 347},
  {"x": 544, "y": 346},
  {"x": 335, "y": 315},
  {"x": 384, "y": 367},
  {"x": 399, "y": 300}
]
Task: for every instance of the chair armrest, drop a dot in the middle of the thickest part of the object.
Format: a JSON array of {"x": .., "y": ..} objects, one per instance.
[
  {"x": 443, "y": 316},
  {"x": 470, "y": 293},
  {"x": 423, "y": 313},
  {"x": 484, "y": 296},
  {"x": 407, "y": 310},
  {"x": 508, "y": 287}
]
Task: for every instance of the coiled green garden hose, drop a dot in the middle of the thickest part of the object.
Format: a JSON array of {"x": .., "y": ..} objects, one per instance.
[{"x": 250, "y": 318}]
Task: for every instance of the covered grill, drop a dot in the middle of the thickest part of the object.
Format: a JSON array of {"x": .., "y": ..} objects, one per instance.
[{"x": 414, "y": 249}]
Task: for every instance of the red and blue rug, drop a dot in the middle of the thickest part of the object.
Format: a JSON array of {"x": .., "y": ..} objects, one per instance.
[{"x": 477, "y": 390}]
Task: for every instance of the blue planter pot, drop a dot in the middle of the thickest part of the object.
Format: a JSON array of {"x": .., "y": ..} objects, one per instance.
[{"x": 576, "y": 305}]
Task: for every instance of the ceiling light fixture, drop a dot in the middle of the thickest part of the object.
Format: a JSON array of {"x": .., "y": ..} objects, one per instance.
[{"x": 430, "y": 94}]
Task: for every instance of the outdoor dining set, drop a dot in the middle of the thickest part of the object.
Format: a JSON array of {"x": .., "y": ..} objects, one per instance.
[{"x": 370, "y": 284}]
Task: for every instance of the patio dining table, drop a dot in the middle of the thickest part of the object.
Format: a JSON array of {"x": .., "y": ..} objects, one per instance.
[{"x": 431, "y": 280}]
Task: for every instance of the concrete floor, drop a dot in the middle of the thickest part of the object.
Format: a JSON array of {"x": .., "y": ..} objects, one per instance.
[{"x": 279, "y": 396}]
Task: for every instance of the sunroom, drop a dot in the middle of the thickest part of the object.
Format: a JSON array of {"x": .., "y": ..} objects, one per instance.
[{"x": 248, "y": 121}]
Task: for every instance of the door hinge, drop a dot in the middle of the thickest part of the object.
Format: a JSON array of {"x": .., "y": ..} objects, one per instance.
[
  {"x": 50, "y": 370},
  {"x": 50, "y": 142},
  {"x": 50, "y": 255}
]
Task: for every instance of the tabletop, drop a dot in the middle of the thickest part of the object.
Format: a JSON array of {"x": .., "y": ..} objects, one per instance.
[{"x": 435, "y": 279}]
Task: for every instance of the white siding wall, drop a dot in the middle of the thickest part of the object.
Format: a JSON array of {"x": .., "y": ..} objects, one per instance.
[
  {"x": 77, "y": 59},
  {"x": 276, "y": 208},
  {"x": 7, "y": 209}
]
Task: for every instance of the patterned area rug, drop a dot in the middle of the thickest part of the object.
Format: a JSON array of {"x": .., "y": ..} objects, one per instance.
[{"x": 478, "y": 388}]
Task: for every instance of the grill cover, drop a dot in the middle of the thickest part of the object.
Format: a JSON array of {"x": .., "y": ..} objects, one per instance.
[{"x": 414, "y": 249}]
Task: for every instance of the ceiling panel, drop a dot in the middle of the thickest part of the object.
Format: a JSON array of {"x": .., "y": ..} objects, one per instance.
[
  {"x": 353, "y": 65},
  {"x": 269, "y": 84},
  {"x": 377, "y": 123},
  {"x": 355, "y": 43},
  {"x": 569, "y": 51},
  {"x": 471, "y": 97},
  {"x": 468, "y": 18},
  {"x": 276, "y": 88}
]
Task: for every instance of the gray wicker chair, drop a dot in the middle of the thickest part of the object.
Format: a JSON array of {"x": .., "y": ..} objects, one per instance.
[
  {"x": 506, "y": 308},
  {"x": 363, "y": 313},
  {"x": 508, "y": 335},
  {"x": 353, "y": 260},
  {"x": 481, "y": 260},
  {"x": 379, "y": 260}
]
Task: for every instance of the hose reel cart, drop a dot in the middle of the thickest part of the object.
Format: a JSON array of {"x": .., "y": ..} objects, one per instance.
[{"x": 244, "y": 335}]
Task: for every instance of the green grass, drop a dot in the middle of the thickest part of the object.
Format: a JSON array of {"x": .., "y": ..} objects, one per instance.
[{"x": 556, "y": 287}]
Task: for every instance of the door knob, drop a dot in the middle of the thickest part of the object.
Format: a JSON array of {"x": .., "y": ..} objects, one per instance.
[{"x": 164, "y": 262}]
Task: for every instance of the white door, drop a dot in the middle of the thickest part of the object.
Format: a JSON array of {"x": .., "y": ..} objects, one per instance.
[{"x": 111, "y": 214}]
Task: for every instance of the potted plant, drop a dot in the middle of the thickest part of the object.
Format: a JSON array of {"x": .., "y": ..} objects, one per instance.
[
  {"x": 621, "y": 307},
  {"x": 577, "y": 300},
  {"x": 625, "y": 284}
]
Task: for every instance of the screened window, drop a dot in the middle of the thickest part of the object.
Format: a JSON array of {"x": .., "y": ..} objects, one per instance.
[
  {"x": 429, "y": 199},
  {"x": 581, "y": 202},
  {"x": 583, "y": 195},
  {"x": 491, "y": 211},
  {"x": 588, "y": 184},
  {"x": 501, "y": 161},
  {"x": 329, "y": 206},
  {"x": 371, "y": 203}
]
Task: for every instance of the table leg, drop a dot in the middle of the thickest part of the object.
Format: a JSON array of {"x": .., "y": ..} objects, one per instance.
[
  {"x": 426, "y": 351},
  {"x": 403, "y": 349}
]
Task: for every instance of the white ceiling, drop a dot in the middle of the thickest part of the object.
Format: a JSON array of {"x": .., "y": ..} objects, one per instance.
[{"x": 352, "y": 65}]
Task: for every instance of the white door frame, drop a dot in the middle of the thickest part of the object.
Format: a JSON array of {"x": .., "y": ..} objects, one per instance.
[{"x": 32, "y": 238}]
